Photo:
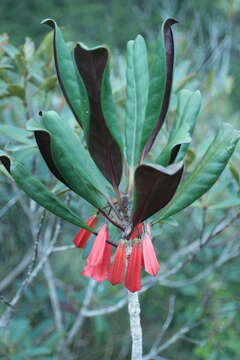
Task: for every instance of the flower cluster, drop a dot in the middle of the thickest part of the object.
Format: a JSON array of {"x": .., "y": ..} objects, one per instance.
[{"x": 129, "y": 259}]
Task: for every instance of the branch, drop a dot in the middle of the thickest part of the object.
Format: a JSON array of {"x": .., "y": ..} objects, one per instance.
[
  {"x": 173, "y": 339},
  {"x": 135, "y": 325},
  {"x": 63, "y": 248},
  {"x": 167, "y": 323},
  {"x": 15, "y": 272},
  {"x": 80, "y": 317},
  {"x": 9, "y": 204},
  {"x": 49, "y": 276},
  {"x": 106, "y": 310},
  {"x": 31, "y": 274}
]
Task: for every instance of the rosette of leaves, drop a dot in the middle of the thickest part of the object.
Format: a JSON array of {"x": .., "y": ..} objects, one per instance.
[{"x": 93, "y": 167}]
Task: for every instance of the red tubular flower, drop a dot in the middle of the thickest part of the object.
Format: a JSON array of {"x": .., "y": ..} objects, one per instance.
[
  {"x": 83, "y": 235},
  {"x": 133, "y": 275},
  {"x": 116, "y": 274},
  {"x": 137, "y": 232},
  {"x": 99, "y": 272},
  {"x": 97, "y": 251},
  {"x": 150, "y": 262},
  {"x": 88, "y": 270}
]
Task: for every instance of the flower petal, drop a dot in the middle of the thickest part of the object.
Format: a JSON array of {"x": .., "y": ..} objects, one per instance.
[
  {"x": 150, "y": 262},
  {"x": 101, "y": 271},
  {"x": 137, "y": 232},
  {"x": 133, "y": 274},
  {"x": 83, "y": 235},
  {"x": 96, "y": 255},
  {"x": 88, "y": 270},
  {"x": 117, "y": 270}
]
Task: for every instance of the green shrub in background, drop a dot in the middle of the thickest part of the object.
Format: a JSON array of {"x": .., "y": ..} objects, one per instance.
[{"x": 227, "y": 183}]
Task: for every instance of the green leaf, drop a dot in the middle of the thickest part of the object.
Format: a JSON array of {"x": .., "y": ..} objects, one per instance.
[
  {"x": 161, "y": 73},
  {"x": 74, "y": 162},
  {"x": 72, "y": 86},
  {"x": 15, "y": 90},
  {"x": 49, "y": 83},
  {"x": 235, "y": 173},
  {"x": 39, "y": 192},
  {"x": 137, "y": 95},
  {"x": 170, "y": 221},
  {"x": 43, "y": 140},
  {"x": 232, "y": 202},
  {"x": 205, "y": 173},
  {"x": 36, "y": 352},
  {"x": 15, "y": 133},
  {"x": 188, "y": 107},
  {"x": 18, "y": 331}
]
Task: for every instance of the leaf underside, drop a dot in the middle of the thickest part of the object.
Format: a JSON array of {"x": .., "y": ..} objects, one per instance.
[
  {"x": 74, "y": 162},
  {"x": 43, "y": 140},
  {"x": 104, "y": 149},
  {"x": 154, "y": 188},
  {"x": 161, "y": 75}
]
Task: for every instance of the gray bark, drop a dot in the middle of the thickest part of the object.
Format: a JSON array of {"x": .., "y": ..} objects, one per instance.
[{"x": 135, "y": 325}]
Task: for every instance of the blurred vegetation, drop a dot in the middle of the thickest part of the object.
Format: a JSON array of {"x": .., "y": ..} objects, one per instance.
[{"x": 207, "y": 54}]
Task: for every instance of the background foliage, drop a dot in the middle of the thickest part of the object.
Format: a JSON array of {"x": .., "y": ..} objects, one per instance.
[{"x": 205, "y": 287}]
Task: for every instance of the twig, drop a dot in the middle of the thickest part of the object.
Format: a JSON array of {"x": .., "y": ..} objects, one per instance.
[
  {"x": 80, "y": 317},
  {"x": 107, "y": 310},
  {"x": 15, "y": 272},
  {"x": 111, "y": 220},
  {"x": 9, "y": 204},
  {"x": 177, "y": 336},
  {"x": 173, "y": 339},
  {"x": 194, "y": 246},
  {"x": 5, "y": 318},
  {"x": 63, "y": 248},
  {"x": 53, "y": 296},
  {"x": 167, "y": 323}
]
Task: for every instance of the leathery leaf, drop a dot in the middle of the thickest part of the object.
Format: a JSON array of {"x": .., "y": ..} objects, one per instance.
[
  {"x": 103, "y": 133},
  {"x": 155, "y": 186},
  {"x": 71, "y": 84},
  {"x": 136, "y": 102},
  {"x": 188, "y": 107},
  {"x": 74, "y": 162},
  {"x": 161, "y": 73},
  {"x": 205, "y": 173},
  {"x": 39, "y": 192}
]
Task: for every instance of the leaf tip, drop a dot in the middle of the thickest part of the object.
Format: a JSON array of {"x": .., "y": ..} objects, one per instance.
[
  {"x": 5, "y": 161},
  {"x": 49, "y": 22},
  {"x": 170, "y": 21}
]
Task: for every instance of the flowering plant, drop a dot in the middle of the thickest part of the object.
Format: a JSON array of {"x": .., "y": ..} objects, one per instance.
[{"x": 111, "y": 167}]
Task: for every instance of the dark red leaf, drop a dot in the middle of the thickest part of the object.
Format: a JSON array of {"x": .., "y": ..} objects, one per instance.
[
  {"x": 102, "y": 146},
  {"x": 43, "y": 140},
  {"x": 154, "y": 188},
  {"x": 169, "y": 46},
  {"x": 6, "y": 163}
]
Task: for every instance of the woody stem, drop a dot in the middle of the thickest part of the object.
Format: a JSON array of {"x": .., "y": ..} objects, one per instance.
[
  {"x": 112, "y": 221},
  {"x": 135, "y": 325}
]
